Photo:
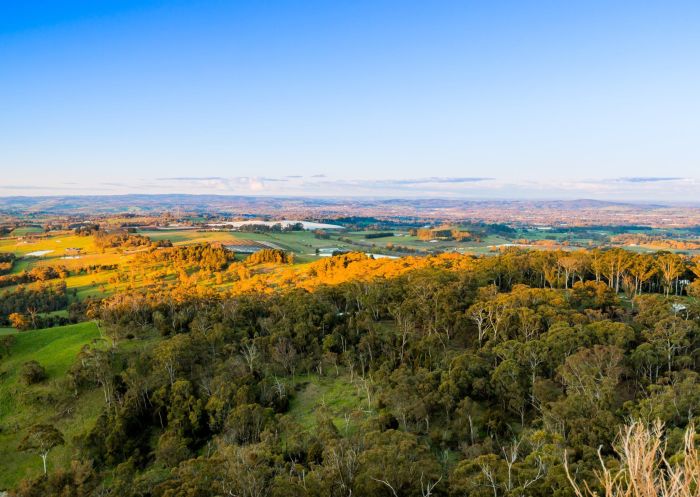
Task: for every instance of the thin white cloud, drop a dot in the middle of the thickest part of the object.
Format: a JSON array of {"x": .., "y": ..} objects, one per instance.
[
  {"x": 649, "y": 179},
  {"x": 652, "y": 188}
]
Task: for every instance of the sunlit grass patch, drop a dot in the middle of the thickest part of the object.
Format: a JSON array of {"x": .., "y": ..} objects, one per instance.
[{"x": 55, "y": 349}]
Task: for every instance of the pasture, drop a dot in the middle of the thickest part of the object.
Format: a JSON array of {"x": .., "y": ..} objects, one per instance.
[
  {"x": 50, "y": 401},
  {"x": 26, "y": 230},
  {"x": 343, "y": 400},
  {"x": 302, "y": 243}
]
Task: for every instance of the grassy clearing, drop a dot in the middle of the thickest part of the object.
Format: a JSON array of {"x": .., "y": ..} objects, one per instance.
[
  {"x": 20, "y": 406},
  {"x": 187, "y": 237},
  {"x": 57, "y": 242},
  {"x": 90, "y": 285},
  {"x": 61, "y": 313},
  {"x": 26, "y": 230},
  {"x": 402, "y": 238},
  {"x": 341, "y": 397},
  {"x": 302, "y": 243},
  {"x": 21, "y": 265}
]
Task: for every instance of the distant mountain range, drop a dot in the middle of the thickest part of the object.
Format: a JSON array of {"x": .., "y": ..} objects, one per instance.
[{"x": 547, "y": 212}]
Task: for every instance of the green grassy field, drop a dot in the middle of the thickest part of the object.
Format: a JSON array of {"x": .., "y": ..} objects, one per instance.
[
  {"x": 90, "y": 285},
  {"x": 342, "y": 398},
  {"x": 404, "y": 239},
  {"x": 56, "y": 242},
  {"x": 85, "y": 285},
  {"x": 302, "y": 243},
  {"x": 54, "y": 247},
  {"x": 47, "y": 402},
  {"x": 26, "y": 230}
]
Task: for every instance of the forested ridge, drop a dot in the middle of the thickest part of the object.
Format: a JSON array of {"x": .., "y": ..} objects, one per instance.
[{"x": 459, "y": 376}]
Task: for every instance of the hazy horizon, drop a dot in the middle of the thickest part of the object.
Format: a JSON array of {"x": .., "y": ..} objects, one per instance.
[
  {"x": 675, "y": 191},
  {"x": 339, "y": 199}
]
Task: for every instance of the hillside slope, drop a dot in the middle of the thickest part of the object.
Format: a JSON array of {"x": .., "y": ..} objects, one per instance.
[{"x": 47, "y": 402}]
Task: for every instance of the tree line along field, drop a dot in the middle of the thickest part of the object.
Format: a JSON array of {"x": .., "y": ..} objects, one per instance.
[
  {"x": 96, "y": 272},
  {"x": 191, "y": 371}
]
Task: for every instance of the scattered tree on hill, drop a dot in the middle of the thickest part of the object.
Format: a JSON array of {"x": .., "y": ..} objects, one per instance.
[
  {"x": 6, "y": 262},
  {"x": 32, "y": 372},
  {"x": 31, "y": 300},
  {"x": 19, "y": 321},
  {"x": 275, "y": 256},
  {"x": 6, "y": 343},
  {"x": 40, "y": 439},
  {"x": 671, "y": 267}
]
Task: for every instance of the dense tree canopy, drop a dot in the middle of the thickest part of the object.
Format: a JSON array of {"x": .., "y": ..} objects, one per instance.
[{"x": 461, "y": 376}]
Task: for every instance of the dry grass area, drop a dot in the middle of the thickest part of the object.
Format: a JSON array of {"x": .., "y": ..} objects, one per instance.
[{"x": 644, "y": 470}]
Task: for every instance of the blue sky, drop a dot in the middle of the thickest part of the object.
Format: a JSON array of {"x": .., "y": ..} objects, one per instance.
[{"x": 484, "y": 99}]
